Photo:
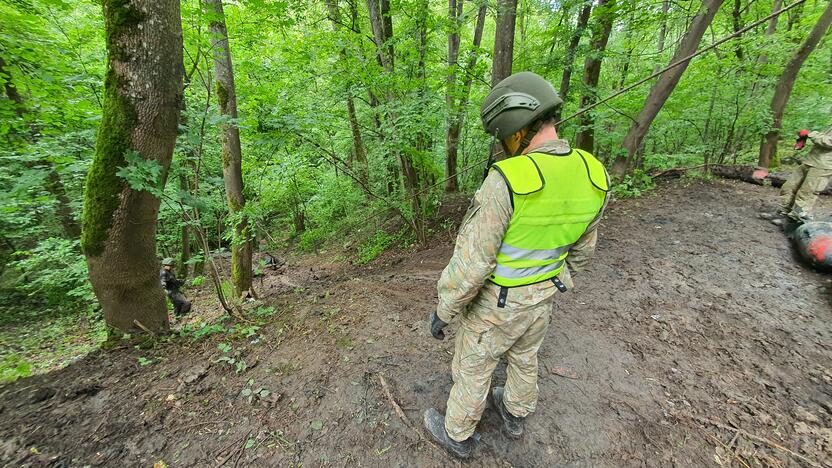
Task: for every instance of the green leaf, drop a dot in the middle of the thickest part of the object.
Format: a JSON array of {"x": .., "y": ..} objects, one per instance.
[{"x": 316, "y": 425}]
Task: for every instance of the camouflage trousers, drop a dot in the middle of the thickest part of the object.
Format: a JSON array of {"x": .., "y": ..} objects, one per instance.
[
  {"x": 487, "y": 333},
  {"x": 799, "y": 194},
  {"x": 181, "y": 305}
]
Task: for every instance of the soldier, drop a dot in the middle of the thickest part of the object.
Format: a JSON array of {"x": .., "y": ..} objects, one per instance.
[
  {"x": 181, "y": 305},
  {"x": 536, "y": 212},
  {"x": 799, "y": 193}
]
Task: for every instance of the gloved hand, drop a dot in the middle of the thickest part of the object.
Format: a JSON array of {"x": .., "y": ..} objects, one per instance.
[
  {"x": 802, "y": 136},
  {"x": 436, "y": 326}
]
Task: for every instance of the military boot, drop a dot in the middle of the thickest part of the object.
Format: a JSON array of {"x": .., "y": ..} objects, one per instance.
[
  {"x": 513, "y": 424},
  {"x": 435, "y": 424}
]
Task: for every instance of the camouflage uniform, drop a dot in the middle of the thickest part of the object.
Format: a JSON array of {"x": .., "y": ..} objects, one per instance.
[
  {"x": 487, "y": 332},
  {"x": 800, "y": 192},
  {"x": 171, "y": 284}
]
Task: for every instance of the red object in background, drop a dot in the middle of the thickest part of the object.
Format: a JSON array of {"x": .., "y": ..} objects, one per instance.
[{"x": 801, "y": 139}]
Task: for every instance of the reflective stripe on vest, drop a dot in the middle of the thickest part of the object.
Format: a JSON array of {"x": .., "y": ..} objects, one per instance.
[{"x": 555, "y": 198}]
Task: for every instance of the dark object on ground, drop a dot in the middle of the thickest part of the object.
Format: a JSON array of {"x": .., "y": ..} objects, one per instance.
[
  {"x": 435, "y": 424},
  {"x": 181, "y": 305},
  {"x": 813, "y": 242},
  {"x": 512, "y": 424}
]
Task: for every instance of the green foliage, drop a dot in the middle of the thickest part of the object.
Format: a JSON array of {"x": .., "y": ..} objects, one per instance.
[
  {"x": 55, "y": 270},
  {"x": 373, "y": 247},
  {"x": 13, "y": 367},
  {"x": 633, "y": 185}
]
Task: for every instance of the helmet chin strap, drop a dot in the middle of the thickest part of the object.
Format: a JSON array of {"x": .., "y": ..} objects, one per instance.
[{"x": 528, "y": 137}]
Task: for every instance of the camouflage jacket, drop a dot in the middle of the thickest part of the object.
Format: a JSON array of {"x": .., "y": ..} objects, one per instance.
[
  {"x": 169, "y": 281},
  {"x": 820, "y": 155},
  {"x": 479, "y": 240}
]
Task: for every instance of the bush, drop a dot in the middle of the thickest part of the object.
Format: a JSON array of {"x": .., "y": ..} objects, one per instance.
[
  {"x": 56, "y": 271},
  {"x": 633, "y": 185},
  {"x": 373, "y": 247}
]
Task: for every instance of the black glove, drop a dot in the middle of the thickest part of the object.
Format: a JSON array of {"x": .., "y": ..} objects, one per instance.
[{"x": 436, "y": 326}]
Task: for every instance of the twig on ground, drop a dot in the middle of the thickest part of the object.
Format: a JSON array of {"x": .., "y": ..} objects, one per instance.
[
  {"x": 141, "y": 325},
  {"x": 231, "y": 453},
  {"x": 728, "y": 447},
  {"x": 763, "y": 440},
  {"x": 398, "y": 409}
]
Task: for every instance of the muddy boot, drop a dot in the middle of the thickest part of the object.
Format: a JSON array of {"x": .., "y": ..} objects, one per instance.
[
  {"x": 435, "y": 424},
  {"x": 513, "y": 425}
]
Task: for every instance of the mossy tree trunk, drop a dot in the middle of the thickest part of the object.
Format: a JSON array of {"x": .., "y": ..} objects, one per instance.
[
  {"x": 143, "y": 90},
  {"x": 232, "y": 170},
  {"x": 768, "y": 149}
]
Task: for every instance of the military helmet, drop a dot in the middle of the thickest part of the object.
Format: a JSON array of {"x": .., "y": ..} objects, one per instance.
[
  {"x": 167, "y": 261},
  {"x": 517, "y": 102}
]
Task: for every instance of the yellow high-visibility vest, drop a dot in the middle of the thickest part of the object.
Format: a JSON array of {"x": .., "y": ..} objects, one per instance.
[{"x": 555, "y": 198}]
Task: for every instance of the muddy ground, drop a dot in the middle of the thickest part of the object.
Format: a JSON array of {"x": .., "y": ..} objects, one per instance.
[{"x": 695, "y": 339}]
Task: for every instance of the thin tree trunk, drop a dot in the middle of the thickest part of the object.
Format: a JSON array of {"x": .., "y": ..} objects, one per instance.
[
  {"x": 359, "y": 154},
  {"x": 52, "y": 183},
  {"x": 185, "y": 235},
  {"x": 736, "y": 22},
  {"x": 503, "y": 40},
  {"x": 768, "y": 149},
  {"x": 143, "y": 89},
  {"x": 666, "y": 84},
  {"x": 585, "y": 139},
  {"x": 232, "y": 155},
  {"x": 458, "y": 111},
  {"x": 770, "y": 30},
  {"x": 662, "y": 34},
  {"x": 452, "y": 135},
  {"x": 571, "y": 51},
  {"x": 381, "y": 22}
]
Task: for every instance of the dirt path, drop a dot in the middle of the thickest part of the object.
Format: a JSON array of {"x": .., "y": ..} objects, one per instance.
[{"x": 693, "y": 321}]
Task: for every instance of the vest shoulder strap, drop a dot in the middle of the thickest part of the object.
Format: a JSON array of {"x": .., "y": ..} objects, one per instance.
[
  {"x": 521, "y": 174},
  {"x": 595, "y": 171}
]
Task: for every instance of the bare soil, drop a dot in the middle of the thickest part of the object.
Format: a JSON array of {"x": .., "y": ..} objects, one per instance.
[{"x": 695, "y": 339}]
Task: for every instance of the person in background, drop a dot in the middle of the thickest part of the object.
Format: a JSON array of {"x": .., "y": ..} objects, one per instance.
[
  {"x": 171, "y": 285},
  {"x": 799, "y": 194}
]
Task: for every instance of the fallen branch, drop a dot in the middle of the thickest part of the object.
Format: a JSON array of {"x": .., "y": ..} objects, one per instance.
[
  {"x": 141, "y": 325},
  {"x": 235, "y": 451},
  {"x": 763, "y": 440}
]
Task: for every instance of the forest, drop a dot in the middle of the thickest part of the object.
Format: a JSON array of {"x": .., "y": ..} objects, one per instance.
[{"x": 303, "y": 159}]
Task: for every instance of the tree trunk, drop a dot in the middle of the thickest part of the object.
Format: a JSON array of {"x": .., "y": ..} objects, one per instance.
[
  {"x": 452, "y": 135},
  {"x": 585, "y": 139},
  {"x": 458, "y": 110},
  {"x": 381, "y": 22},
  {"x": 232, "y": 172},
  {"x": 52, "y": 183},
  {"x": 569, "y": 59},
  {"x": 770, "y": 30},
  {"x": 185, "y": 235},
  {"x": 783, "y": 90},
  {"x": 359, "y": 154},
  {"x": 503, "y": 40},
  {"x": 736, "y": 22},
  {"x": 666, "y": 84},
  {"x": 142, "y": 93},
  {"x": 662, "y": 34}
]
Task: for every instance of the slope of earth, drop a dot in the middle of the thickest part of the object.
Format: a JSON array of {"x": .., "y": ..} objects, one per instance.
[{"x": 695, "y": 339}]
